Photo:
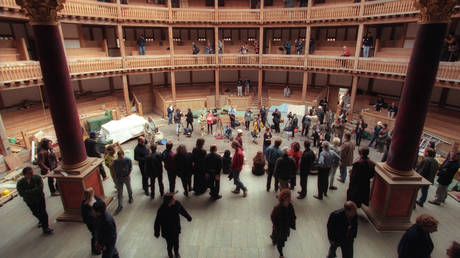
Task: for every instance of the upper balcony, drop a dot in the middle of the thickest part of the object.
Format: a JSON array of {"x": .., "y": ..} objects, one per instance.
[{"x": 100, "y": 12}]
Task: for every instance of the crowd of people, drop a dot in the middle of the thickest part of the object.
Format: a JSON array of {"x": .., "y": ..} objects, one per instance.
[{"x": 200, "y": 170}]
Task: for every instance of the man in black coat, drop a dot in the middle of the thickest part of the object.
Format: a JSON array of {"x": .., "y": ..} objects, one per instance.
[
  {"x": 263, "y": 115},
  {"x": 168, "y": 222},
  {"x": 376, "y": 133},
  {"x": 276, "y": 120},
  {"x": 285, "y": 169},
  {"x": 213, "y": 166},
  {"x": 140, "y": 153},
  {"x": 306, "y": 163},
  {"x": 294, "y": 124},
  {"x": 92, "y": 151},
  {"x": 305, "y": 124},
  {"x": 342, "y": 228},
  {"x": 446, "y": 173},
  {"x": 154, "y": 170},
  {"x": 106, "y": 231}
]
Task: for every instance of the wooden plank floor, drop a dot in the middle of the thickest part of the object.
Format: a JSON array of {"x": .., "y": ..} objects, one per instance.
[{"x": 232, "y": 227}]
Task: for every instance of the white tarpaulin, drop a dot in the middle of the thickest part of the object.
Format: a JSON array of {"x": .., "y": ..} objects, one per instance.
[
  {"x": 299, "y": 110},
  {"x": 123, "y": 129}
]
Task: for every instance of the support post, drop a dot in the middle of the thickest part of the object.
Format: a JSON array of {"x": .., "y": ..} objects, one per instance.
[
  {"x": 259, "y": 87},
  {"x": 124, "y": 79},
  {"x": 359, "y": 43},
  {"x": 82, "y": 171},
  {"x": 396, "y": 185},
  {"x": 354, "y": 89},
  {"x": 304, "y": 85},
  {"x": 4, "y": 144},
  {"x": 173, "y": 86},
  {"x": 217, "y": 81},
  {"x": 121, "y": 44}
]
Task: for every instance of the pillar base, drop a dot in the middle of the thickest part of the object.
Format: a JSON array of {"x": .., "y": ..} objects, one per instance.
[
  {"x": 71, "y": 188},
  {"x": 392, "y": 199}
]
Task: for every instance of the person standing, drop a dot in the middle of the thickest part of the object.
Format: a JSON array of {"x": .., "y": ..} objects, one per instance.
[
  {"x": 342, "y": 228},
  {"x": 213, "y": 167},
  {"x": 346, "y": 156},
  {"x": 271, "y": 155},
  {"x": 30, "y": 188},
  {"x": 220, "y": 45},
  {"x": 106, "y": 231},
  {"x": 209, "y": 121},
  {"x": 276, "y": 120},
  {"x": 123, "y": 167},
  {"x": 167, "y": 222},
  {"x": 361, "y": 173},
  {"x": 335, "y": 148},
  {"x": 392, "y": 110},
  {"x": 287, "y": 45},
  {"x": 359, "y": 130},
  {"x": 178, "y": 122},
  {"x": 168, "y": 159},
  {"x": 198, "y": 158},
  {"x": 247, "y": 118},
  {"x": 267, "y": 139},
  {"x": 316, "y": 134},
  {"x": 154, "y": 170},
  {"x": 375, "y": 135},
  {"x": 306, "y": 163},
  {"x": 170, "y": 111},
  {"x": 88, "y": 216},
  {"x": 239, "y": 84},
  {"x": 149, "y": 131},
  {"x": 184, "y": 166},
  {"x": 416, "y": 242},
  {"x": 427, "y": 168},
  {"x": 445, "y": 175},
  {"x": 299, "y": 46},
  {"x": 305, "y": 125},
  {"x": 189, "y": 118},
  {"x": 109, "y": 156},
  {"x": 287, "y": 92},
  {"x": 141, "y": 44},
  {"x": 239, "y": 138},
  {"x": 92, "y": 151},
  {"x": 283, "y": 219},
  {"x": 263, "y": 115},
  {"x": 294, "y": 124},
  {"x": 236, "y": 167},
  {"x": 452, "y": 48},
  {"x": 47, "y": 161},
  {"x": 285, "y": 169},
  {"x": 454, "y": 250},
  {"x": 320, "y": 114},
  {"x": 368, "y": 41},
  {"x": 140, "y": 154},
  {"x": 382, "y": 138},
  {"x": 232, "y": 116},
  {"x": 195, "y": 48},
  {"x": 247, "y": 87},
  {"x": 326, "y": 159},
  {"x": 295, "y": 154}
]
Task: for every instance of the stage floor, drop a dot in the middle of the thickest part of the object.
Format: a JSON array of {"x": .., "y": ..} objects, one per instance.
[{"x": 231, "y": 227}]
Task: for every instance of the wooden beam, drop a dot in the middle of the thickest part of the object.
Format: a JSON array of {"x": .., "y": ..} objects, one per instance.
[
  {"x": 173, "y": 86},
  {"x": 4, "y": 144},
  {"x": 304, "y": 85},
  {"x": 259, "y": 87},
  {"x": 443, "y": 97},
  {"x": 152, "y": 84},
  {"x": 171, "y": 44},
  {"x": 307, "y": 42},
  {"x": 359, "y": 43},
  {"x": 126, "y": 93},
  {"x": 80, "y": 87},
  {"x": 121, "y": 43},
  {"x": 80, "y": 35},
  {"x": 354, "y": 89},
  {"x": 111, "y": 86},
  {"x": 217, "y": 82}
]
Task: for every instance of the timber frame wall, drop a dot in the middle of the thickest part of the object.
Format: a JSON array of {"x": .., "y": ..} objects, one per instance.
[{"x": 28, "y": 73}]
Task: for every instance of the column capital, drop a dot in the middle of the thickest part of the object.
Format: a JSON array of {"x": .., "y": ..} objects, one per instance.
[
  {"x": 435, "y": 11},
  {"x": 42, "y": 11}
]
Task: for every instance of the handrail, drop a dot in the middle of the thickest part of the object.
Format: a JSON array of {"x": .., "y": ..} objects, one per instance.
[
  {"x": 90, "y": 8},
  {"x": 285, "y": 14},
  {"x": 226, "y": 15},
  {"x": 22, "y": 71},
  {"x": 335, "y": 11},
  {"x": 385, "y": 7},
  {"x": 131, "y": 12}
]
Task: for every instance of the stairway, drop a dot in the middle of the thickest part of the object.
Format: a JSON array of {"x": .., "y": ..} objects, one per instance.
[{"x": 351, "y": 125}]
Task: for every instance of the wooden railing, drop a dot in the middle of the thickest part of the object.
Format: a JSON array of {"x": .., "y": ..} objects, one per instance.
[
  {"x": 20, "y": 71},
  {"x": 335, "y": 12},
  {"x": 132, "y": 12},
  {"x": 90, "y": 9},
  {"x": 238, "y": 15},
  {"x": 386, "y": 7},
  {"x": 238, "y": 59},
  {"x": 285, "y": 14},
  {"x": 330, "y": 62},
  {"x": 23, "y": 71},
  {"x": 191, "y": 60},
  {"x": 91, "y": 65},
  {"x": 134, "y": 62},
  {"x": 9, "y": 4},
  {"x": 283, "y": 60},
  {"x": 193, "y": 15}
]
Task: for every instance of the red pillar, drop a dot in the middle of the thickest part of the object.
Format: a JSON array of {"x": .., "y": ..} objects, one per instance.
[
  {"x": 81, "y": 172},
  {"x": 396, "y": 185}
]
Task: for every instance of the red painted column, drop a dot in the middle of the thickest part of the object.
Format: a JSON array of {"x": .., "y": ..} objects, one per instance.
[
  {"x": 60, "y": 94},
  {"x": 415, "y": 97}
]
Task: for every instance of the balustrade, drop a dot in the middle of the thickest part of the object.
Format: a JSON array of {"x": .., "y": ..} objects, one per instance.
[
  {"x": 132, "y": 12},
  {"x": 20, "y": 71},
  {"x": 335, "y": 12},
  {"x": 238, "y": 15},
  {"x": 238, "y": 59},
  {"x": 330, "y": 62},
  {"x": 285, "y": 14},
  {"x": 385, "y": 66},
  {"x": 283, "y": 60},
  {"x": 9, "y": 4},
  {"x": 193, "y": 15},
  {"x": 147, "y": 61},
  {"x": 90, "y": 65},
  {"x": 449, "y": 71},
  {"x": 90, "y": 9},
  {"x": 381, "y": 8},
  {"x": 191, "y": 60}
]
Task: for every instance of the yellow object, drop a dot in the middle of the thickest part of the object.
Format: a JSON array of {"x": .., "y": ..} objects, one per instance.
[{"x": 5, "y": 192}]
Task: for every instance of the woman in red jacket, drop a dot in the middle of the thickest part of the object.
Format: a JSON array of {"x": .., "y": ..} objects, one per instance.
[
  {"x": 295, "y": 154},
  {"x": 236, "y": 167}
]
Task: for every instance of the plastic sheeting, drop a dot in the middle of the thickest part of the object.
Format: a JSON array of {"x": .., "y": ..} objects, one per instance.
[{"x": 123, "y": 129}]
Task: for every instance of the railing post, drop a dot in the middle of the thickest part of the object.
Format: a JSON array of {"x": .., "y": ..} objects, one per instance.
[
  {"x": 307, "y": 43},
  {"x": 121, "y": 45},
  {"x": 310, "y": 5},
  {"x": 171, "y": 46},
  {"x": 259, "y": 87},
  {"x": 304, "y": 85},
  {"x": 119, "y": 9},
  {"x": 361, "y": 8},
  {"x": 261, "y": 11},
  {"x": 170, "y": 11},
  {"x": 216, "y": 11}
]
